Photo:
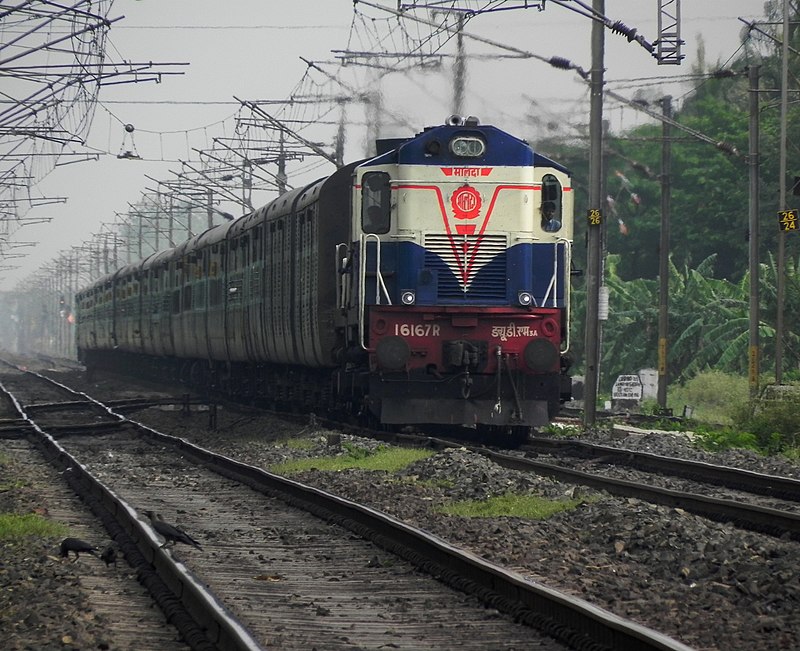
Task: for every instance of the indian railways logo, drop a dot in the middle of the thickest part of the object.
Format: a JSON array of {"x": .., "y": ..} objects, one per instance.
[
  {"x": 464, "y": 230},
  {"x": 466, "y": 203}
]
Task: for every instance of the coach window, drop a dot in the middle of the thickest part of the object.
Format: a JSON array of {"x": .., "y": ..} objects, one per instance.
[
  {"x": 233, "y": 261},
  {"x": 256, "y": 244},
  {"x": 376, "y": 202},
  {"x": 551, "y": 207}
]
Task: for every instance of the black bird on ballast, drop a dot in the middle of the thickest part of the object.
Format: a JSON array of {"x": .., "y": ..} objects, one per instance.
[
  {"x": 109, "y": 556},
  {"x": 76, "y": 545},
  {"x": 170, "y": 533}
]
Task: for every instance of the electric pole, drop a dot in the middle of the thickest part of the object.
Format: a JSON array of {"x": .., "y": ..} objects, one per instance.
[
  {"x": 460, "y": 70},
  {"x": 753, "y": 163},
  {"x": 663, "y": 252},
  {"x": 781, "y": 262},
  {"x": 595, "y": 219}
]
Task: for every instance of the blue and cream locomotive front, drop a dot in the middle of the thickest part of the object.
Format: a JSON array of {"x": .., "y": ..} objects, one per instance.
[{"x": 460, "y": 278}]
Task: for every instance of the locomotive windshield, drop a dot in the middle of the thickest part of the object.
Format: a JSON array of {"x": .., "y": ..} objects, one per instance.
[
  {"x": 376, "y": 202},
  {"x": 551, "y": 203}
]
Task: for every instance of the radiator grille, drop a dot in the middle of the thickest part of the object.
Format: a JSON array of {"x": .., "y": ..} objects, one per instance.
[{"x": 460, "y": 259}]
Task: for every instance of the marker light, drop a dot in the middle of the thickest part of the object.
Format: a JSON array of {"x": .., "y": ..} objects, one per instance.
[
  {"x": 525, "y": 298},
  {"x": 408, "y": 298}
]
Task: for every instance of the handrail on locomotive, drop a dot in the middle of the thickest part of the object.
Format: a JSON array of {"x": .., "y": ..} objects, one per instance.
[{"x": 380, "y": 284}]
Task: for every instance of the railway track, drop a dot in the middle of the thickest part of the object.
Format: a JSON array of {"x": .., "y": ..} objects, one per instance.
[
  {"x": 113, "y": 594},
  {"x": 194, "y": 611},
  {"x": 295, "y": 580},
  {"x": 774, "y": 486},
  {"x": 739, "y": 503}
]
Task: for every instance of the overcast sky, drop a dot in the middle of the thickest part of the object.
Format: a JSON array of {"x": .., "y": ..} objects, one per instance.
[{"x": 252, "y": 49}]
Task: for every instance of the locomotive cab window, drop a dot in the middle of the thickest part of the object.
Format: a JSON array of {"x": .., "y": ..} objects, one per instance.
[
  {"x": 376, "y": 202},
  {"x": 551, "y": 208}
]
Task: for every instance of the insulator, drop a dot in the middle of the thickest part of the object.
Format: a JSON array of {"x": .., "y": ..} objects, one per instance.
[
  {"x": 727, "y": 148},
  {"x": 560, "y": 62},
  {"x": 621, "y": 28}
]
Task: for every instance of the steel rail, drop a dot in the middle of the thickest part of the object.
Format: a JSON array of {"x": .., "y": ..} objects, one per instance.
[
  {"x": 745, "y": 480},
  {"x": 202, "y": 620},
  {"x": 755, "y": 518}
]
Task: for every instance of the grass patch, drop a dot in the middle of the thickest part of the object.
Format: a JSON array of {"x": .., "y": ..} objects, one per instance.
[
  {"x": 11, "y": 485},
  {"x": 558, "y": 430},
  {"x": 298, "y": 443},
  {"x": 438, "y": 483},
  {"x": 792, "y": 453},
  {"x": 387, "y": 459},
  {"x": 724, "y": 415},
  {"x": 726, "y": 438},
  {"x": 519, "y": 506},
  {"x": 14, "y": 526}
]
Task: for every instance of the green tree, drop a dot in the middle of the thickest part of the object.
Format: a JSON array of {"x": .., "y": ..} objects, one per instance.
[
  {"x": 709, "y": 322},
  {"x": 791, "y": 313},
  {"x": 709, "y": 283}
]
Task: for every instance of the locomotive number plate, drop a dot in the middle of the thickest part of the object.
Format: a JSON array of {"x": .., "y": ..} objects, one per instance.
[{"x": 417, "y": 329}]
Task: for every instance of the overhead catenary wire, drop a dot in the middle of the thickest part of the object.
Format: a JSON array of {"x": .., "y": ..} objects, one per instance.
[
  {"x": 56, "y": 59},
  {"x": 566, "y": 64}
]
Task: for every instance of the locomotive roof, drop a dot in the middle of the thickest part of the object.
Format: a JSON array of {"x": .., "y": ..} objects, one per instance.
[{"x": 501, "y": 149}]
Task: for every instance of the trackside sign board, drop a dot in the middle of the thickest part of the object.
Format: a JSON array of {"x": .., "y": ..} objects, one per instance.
[{"x": 627, "y": 387}]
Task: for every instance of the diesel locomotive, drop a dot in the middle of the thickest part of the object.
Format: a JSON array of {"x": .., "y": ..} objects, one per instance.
[{"x": 428, "y": 284}]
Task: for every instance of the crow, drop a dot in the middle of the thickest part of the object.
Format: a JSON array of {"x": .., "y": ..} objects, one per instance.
[
  {"x": 170, "y": 533},
  {"x": 109, "y": 555},
  {"x": 76, "y": 545}
]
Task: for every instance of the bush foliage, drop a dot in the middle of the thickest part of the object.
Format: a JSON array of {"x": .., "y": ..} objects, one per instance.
[
  {"x": 713, "y": 396},
  {"x": 730, "y": 419},
  {"x": 775, "y": 424}
]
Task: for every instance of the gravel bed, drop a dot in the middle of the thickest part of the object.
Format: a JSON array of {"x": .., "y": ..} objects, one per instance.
[
  {"x": 42, "y": 605},
  {"x": 707, "y": 584}
]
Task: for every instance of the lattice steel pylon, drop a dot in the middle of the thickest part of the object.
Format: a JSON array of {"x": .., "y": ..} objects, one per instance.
[{"x": 669, "y": 42}]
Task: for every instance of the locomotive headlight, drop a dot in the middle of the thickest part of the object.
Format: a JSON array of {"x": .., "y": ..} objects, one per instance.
[
  {"x": 408, "y": 297},
  {"x": 525, "y": 298},
  {"x": 467, "y": 146},
  {"x": 392, "y": 353},
  {"x": 541, "y": 355}
]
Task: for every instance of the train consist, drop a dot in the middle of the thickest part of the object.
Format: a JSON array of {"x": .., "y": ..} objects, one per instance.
[{"x": 426, "y": 285}]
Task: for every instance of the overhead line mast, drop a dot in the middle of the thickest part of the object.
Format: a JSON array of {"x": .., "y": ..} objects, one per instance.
[{"x": 668, "y": 46}]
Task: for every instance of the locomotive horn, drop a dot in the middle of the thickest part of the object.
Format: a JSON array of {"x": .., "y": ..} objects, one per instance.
[{"x": 454, "y": 121}]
